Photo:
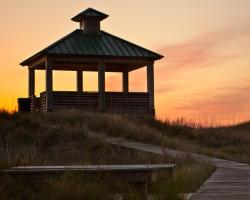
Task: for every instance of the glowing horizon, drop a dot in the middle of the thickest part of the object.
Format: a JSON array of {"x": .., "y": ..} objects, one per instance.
[{"x": 206, "y": 47}]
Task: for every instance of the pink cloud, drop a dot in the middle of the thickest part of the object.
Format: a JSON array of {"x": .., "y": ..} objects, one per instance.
[
  {"x": 198, "y": 52},
  {"x": 201, "y": 51}
]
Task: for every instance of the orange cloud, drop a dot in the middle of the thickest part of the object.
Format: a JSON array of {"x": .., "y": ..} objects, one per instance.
[{"x": 230, "y": 100}]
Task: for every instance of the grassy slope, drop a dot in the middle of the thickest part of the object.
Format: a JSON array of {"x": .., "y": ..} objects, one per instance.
[
  {"x": 40, "y": 130},
  {"x": 226, "y": 142},
  {"x": 63, "y": 138},
  {"x": 230, "y": 142}
]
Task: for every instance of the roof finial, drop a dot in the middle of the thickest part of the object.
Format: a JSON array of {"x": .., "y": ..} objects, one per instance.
[{"x": 90, "y": 20}]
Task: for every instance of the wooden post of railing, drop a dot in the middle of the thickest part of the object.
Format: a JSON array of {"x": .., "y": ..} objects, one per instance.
[
  {"x": 79, "y": 81},
  {"x": 31, "y": 82},
  {"x": 101, "y": 85},
  {"x": 125, "y": 87},
  {"x": 49, "y": 85},
  {"x": 150, "y": 87}
]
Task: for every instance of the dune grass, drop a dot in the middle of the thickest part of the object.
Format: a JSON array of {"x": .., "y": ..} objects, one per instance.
[
  {"x": 64, "y": 138},
  {"x": 40, "y": 129},
  {"x": 230, "y": 142}
]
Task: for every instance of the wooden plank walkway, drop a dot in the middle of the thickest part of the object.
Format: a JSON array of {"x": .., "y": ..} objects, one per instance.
[
  {"x": 140, "y": 175},
  {"x": 92, "y": 168},
  {"x": 231, "y": 180}
]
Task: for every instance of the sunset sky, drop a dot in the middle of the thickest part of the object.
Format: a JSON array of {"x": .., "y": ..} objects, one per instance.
[{"x": 206, "y": 44}]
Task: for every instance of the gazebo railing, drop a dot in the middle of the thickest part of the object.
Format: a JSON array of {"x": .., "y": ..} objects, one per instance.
[
  {"x": 119, "y": 102},
  {"x": 34, "y": 103}
]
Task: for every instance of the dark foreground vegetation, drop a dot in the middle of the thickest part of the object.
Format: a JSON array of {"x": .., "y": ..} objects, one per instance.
[{"x": 66, "y": 138}]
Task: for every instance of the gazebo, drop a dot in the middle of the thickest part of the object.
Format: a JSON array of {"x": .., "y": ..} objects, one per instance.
[{"x": 91, "y": 49}]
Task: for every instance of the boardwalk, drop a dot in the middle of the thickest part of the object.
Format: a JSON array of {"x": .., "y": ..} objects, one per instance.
[{"x": 231, "y": 180}]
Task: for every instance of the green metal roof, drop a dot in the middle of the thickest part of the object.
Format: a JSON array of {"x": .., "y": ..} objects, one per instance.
[
  {"x": 103, "y": 44},
  {"x": 89, "y": 13}
]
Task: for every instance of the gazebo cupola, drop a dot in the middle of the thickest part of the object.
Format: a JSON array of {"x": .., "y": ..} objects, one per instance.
[
  {"x": 91, "y": 49},
  {"x": 90, "y": 20}
]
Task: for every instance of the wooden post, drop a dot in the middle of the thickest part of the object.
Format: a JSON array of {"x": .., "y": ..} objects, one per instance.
[
  {"x": 150, "y": 87},
  {"x": 125, "y": 87},
  {"x": 49, "y": 85},
  {"x": 145, "y": 191},
  {"x": 101, "y": 85},
  {"x": 31, "y": 82},
  {"x": 79, "y": 81}
]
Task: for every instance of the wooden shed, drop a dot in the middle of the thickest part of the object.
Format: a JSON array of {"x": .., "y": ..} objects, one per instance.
[{"x": 91, "y": 49}]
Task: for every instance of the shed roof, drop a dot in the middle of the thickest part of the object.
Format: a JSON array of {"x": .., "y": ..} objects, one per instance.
[{"x": 103, "y": 44}]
